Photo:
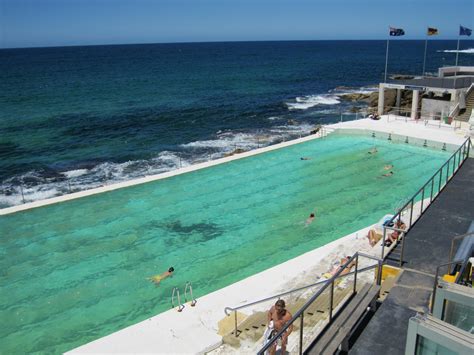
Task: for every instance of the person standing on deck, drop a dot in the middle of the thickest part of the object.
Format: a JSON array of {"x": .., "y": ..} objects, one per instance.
[{"x": 280, "y": 316}]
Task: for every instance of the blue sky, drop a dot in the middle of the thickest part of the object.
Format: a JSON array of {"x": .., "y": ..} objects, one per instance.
[{"x": 33, "y": 23}]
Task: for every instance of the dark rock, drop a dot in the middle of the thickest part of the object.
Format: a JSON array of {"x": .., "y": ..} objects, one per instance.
[
  {"x": 235, "y": 151},
  {"x": 355, "y": 97},
  {"x": 401, "y": 77}
]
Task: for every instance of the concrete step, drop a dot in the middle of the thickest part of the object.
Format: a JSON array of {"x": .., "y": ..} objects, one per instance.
[{"x": 253, "y": 327}]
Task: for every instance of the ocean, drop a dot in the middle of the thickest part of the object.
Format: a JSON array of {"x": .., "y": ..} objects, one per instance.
[{"x": 74, "y": 118}]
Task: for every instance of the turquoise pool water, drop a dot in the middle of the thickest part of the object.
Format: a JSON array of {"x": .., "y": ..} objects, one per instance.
[{"x": 76, "y": 271}]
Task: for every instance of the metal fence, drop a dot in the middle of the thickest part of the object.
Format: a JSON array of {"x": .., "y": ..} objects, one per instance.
[
  {"x": 299, "y": 343},
  {"x": 412, "y": 210},
  {"x": 425, "y": 117}
]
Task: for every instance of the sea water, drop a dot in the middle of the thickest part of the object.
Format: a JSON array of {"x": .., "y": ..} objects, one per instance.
[
  {"x": 73, "y": 118},
  {"x": 76, "y": 271}
]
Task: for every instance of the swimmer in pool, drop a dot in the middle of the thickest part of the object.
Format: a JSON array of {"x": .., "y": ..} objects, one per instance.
[
  {"x": 310, "y": 219},
  {"x": 158, "y": 278}
]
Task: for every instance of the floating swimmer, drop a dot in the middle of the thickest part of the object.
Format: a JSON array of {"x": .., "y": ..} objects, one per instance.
[
  {"x": 310, "y": 219},
  {"x": 158, "y": 278},
  {"x": 388, "y": 167}
]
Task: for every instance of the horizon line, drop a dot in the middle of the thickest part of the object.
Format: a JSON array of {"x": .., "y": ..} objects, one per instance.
[{"x": 233, "y": 41}]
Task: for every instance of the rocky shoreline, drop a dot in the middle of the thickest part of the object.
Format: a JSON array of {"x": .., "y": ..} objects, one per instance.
[{"x": 372, "y": 99}]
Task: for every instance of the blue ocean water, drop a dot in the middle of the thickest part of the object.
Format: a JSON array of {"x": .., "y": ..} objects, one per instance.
[{"x": 73, "y": 118}]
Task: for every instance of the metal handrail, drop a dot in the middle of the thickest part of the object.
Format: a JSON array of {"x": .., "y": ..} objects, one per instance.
[
  {"x": 180, "y": 305},
  {"x": 435, "y": 284},
  {"x": 463, "y": 152},
  {"x": 330, "y": 282},
  {"x": 455, "y": 110},
  {"x": 451, "y": 251},
  {"x": 227, "y": 310},
  {"x": 190, "y": 287}
]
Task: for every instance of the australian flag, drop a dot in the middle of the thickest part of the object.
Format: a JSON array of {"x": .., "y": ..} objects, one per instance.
[
  {"x": 396, "y": 31},
  {"x": 464, "y": 31}
]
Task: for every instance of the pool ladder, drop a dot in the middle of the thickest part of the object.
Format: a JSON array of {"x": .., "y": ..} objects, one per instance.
[
  {"x": 191, "y": 297},
  {"x": 175, "y": 296}
]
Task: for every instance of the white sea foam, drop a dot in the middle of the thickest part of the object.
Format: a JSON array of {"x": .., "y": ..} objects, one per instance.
[
  {"x": 75, "y": 173},
  {"x": 348, "y": 91},
  {"x": 225, "y": 141},
  {"x": 468, "y": 51},
  {"x": 37, "y": 186},
  {"x": 305, "y": 102}
]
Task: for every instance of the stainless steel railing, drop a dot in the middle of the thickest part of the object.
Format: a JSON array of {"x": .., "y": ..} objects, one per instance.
[
  {"x": 432, "y": 188},
  {"x": 325, "y": 284},
  {"x": 329, "y": 283}
]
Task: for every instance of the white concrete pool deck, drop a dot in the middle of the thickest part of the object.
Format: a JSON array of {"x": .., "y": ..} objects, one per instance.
[{"x": 195, "y": 329}]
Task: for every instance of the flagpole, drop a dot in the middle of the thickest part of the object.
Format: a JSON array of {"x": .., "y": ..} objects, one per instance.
[
  {"x": 386, "y": 62},
  {"x": 424, "y": 58},
  {"x": 457, "y": 53}
]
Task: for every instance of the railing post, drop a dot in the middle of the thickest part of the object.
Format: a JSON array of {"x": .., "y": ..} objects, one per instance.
[
  {"x": 440, "y": 174},
  {"x": 383, "y": 240},
  {"x": 454, "y": 163},
  {"x": 235, "y": 317},
  {"x": 355, "y": 272},
  {"x": 431, "y": 193},
  {"x": 331, "y": 296},
  {"x": 447, "y": 171},
  {"x": 411, "y": 211},
  {"x": 422, "y": 198},
  {"x": 301, "y": 333},
  {"x": 379, "y": 273},
  {"x": 435, "y": 286},
  {"x": 402, "y": 250},
  {"x": 22, "y": 194}
]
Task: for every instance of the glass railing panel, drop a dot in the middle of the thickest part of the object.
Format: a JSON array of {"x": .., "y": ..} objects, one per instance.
[
  {"x": 460, "y": 315},
  {"x": 426, "y": 346}
]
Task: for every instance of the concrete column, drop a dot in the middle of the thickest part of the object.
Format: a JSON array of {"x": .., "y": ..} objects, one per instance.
[
  {"x": 381, "y": 99},
  {"x": 399, "y": 99},
  {"x": 414, "y": 104}
]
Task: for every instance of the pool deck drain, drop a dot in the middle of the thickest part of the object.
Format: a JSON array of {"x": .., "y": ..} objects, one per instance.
[{"x": 195, "y": 329}]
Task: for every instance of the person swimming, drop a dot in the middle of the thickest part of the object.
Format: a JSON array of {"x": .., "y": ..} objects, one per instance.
[
  {"x": 310, "y": 219},
  {"x": 158, "y": 278}
]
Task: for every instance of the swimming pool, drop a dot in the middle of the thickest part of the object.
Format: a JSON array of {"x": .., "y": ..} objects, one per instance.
[{"x": 75, "y": 271}]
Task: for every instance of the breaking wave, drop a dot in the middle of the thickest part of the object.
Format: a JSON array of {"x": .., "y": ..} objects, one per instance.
[
  {"x": 305, "y": 102},
  {"x": 38, "y": 185},
  {"x": 468, "y": 51}
]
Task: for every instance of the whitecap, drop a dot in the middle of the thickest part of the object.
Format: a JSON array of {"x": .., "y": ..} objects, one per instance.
[
  {"x": 75, "y": 173},
  {"x": 468, "y": 51},
  {"x": 305, "y": 102}
]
